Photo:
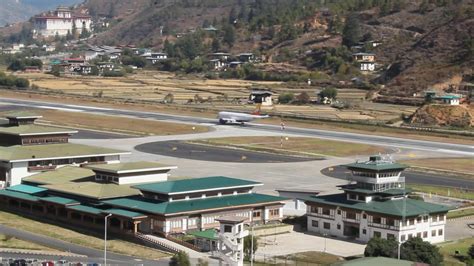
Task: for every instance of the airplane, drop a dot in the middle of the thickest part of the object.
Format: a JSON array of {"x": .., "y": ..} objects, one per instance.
[{"x": 234, "y": 117}]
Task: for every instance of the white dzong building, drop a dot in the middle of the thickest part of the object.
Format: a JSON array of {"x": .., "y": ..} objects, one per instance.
[{"x": 60, "y": 22}]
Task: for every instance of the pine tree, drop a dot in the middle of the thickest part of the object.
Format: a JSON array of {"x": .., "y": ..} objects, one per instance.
[{"x": 351, "y": 33}]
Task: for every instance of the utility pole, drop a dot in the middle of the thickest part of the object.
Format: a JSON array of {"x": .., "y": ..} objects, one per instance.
[
  {"x": 403, "y": 221},
  {"x": 105, "y": 238},
  {"x": 251, "y": 244}
]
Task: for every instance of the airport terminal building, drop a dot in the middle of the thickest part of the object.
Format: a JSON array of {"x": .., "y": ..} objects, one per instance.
[
  {"x": 376, "y": 205},
  {"x": 27, "y": 148}
]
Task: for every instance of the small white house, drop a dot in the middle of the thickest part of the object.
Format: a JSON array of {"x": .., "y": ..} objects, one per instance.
[
  {"x": 367, "y": 66},
  {"x": 450, "y": 99}
]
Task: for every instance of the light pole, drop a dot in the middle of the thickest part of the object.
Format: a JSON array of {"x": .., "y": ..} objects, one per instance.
[
  {"x": 325, "y": 239},
  {"x": 105, "y": 238}
]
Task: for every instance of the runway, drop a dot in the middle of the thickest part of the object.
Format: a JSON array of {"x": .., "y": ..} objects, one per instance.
[{"x": 431, "y": 146}]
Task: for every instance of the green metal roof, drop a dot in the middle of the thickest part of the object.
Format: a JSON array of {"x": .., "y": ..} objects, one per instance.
[
  {"x": 60, "y": 200},
  {"x": 376, "y": 261},
  {"x": 118, "y": 168},
  {"x": 389, "y": 207},
  {"x": 61, "y": 175},
  {"x": 192, "y": 205},
  {"x": 125, "y": 213},
  {"x": 52, "y": 151},
  {"x": 376, "y": 163},
  {"x": 195, "y": 184},
  {"x": 210, "y": 234},
  {"x": 27, "y": 189},
  {"x": 33, "y": 129},
  {"x": 18, "y": 195},
  {"x": 94, "y": 190},
  {"x": 86, "y": 209}
]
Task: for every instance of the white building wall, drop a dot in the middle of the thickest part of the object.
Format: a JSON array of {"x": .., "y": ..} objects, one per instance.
[
  {"x": 143, "y": 179},
  {"x": 18, "y": 171},
  {"x": 112, "y": 159}
]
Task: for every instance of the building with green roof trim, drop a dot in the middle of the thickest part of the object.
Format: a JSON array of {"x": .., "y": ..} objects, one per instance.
[
  {"x": 60, "y": 200},
  {"x": 196, "y": 185},
  {"x": 27, "y": 189},
  {"x": 125, "y": 213},
  {"x": 375, "y": 204}
]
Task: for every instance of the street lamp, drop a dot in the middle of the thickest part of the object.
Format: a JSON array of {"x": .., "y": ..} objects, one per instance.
[
  {"x": 105, "y": 238},
  {"x": 325, "y": 239}
]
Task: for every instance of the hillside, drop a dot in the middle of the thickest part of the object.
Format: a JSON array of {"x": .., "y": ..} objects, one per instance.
[
  {"x": 425, "y": 43},
  {"x": 12, "y": 11}
]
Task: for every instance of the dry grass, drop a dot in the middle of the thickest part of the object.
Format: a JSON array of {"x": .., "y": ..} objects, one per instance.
[
  {"x": 443, "y": 191},
  {"x": 114, "y": 245},
  {"x": 14, "y": 243},
  {"x": 448, "y": 251},
  {"x": 125, "y": 125},
  {"x": 305, "y": 146},
  {"x": 463, "y": 165}
]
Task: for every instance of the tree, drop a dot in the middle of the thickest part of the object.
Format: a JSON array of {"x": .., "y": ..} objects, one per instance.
[
  {"x": 351, "y": 33},
  {"x": 180, "y": 259},
  {"x": 470, "y": 252},
  {"x": 169, "y": 98},
  {"x": 248, "y": 246},
  {"x": 229, "y": 35},
  {"x": 330, "y": 93},
  {"x": 286, "y": 97},
  {"x": 16, "y": 65},
  {"x": 216, "y": 45},
  {"x": 379, "y": 247},
  {"x": 202, "y": 262},
  {"x": 303, "y": 98},
  {"x": 415, "y": 249},
  {"x": 22, "y": 83}
]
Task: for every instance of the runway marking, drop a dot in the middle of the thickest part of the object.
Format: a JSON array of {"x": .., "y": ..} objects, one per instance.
[
  {"x": 88, "y": 107},
  {"x": 59, "y": 108}
]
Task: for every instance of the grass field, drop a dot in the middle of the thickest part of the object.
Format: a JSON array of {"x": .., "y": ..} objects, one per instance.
[
  {"x": 461, "y": 165},
  {"x": 461, "y": 213},
  {"x": 14, "y": 243},
  {"x": 117, "y": 124},
  {"x": 448, "y": 251},
  {"x": 113, "y": 245},
  {"x": 225, "y": 94},
  {"x": 443, "y": 191},
  {"x": 303, "y": 146},
  {"x": 302, "y": 258}
]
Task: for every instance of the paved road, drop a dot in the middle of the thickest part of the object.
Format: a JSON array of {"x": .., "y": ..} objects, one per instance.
[
  {"x": 185, "y": 150},
  {"x": 336, "y": 135},
  {"x": 93, "y": 255},
  {"x": 412, "y": 177}
]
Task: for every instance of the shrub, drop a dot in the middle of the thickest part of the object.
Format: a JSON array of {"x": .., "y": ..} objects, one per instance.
[
  {"x": 330, "y": 93},
  {"x": 22, "y": 83},
  {"x": 286, "y": 97},
  {"x": 180, "y": 259}
]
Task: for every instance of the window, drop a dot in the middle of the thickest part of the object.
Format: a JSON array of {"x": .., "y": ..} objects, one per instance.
[
  {"x": 390, "y": 236},
  {"x": 315, "y": 223},
  {"x": 338, "y": 227},
  {"x": 256, "y": 214},
  {"x": 391, "y": 222},
  {"x": 275, "y": 212},
  {"x": 433, "y": 232},
  {"x": 361, "y": 197},
  {"x": 227, "y": 229},
  {"x": 412, "y": 221},
  {"x": 403, "y": 238},
  {"x": 377, "y": 220},
  {"x": 440, "y": 232},
  {"x": 314, "y": 209},
  {"x": 377, "y": 234},
  {"x": 440, "y": 218},
  {"x": 353, "y": 196},
  {"x": 350, "y": 215},
  {"x": 418, "y": 219},
  {"x": 364, "y": 216},
  {"x": 176, "y": 224},
  {"x": 327, "y": 226},
  {"x": 425, "y": 234},
  {"x": 425, "y": 219},
  {"x": 410, "y": 236},
  {"x": 364, "y": 231},
  {"x": 326, "y": 211},
  {"x": 339, "y": 212},
  {"x": 418, "y": 234}
]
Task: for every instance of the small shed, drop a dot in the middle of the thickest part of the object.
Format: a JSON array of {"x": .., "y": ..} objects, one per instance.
[
  {"x": 296, "y": 205},
  {"x": 263, "y": 97},
  {"x": 206, "y": 240}
]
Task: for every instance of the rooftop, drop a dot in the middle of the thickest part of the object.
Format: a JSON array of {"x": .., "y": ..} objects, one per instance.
[
  {"x": 27, "y": 189},
  {"x": 60, "y": 200},
  {"x": 376, "y": 163},
  {"x": 196, "y": 184},
  {"x": 93, "y": 190},
  {"x": 130, "y": 167},
  {"x": 231, "y": 219},
  {"x": 61, "y": 175},
  {"x": 22, "y": 115},
  {"x": 207, "y": 234},
  {"x": 176, "y": 207},
  {"x": 390, "y": 207},
  {"x": 53, "y": 151},
  {"x": 33, "y": 129},
  {"x": 125, "y": 213}
]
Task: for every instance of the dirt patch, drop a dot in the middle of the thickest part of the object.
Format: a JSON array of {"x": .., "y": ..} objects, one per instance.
[{"x": 445, "y": 115}]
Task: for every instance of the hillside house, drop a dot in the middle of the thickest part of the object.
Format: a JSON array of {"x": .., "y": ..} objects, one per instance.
[
  {"x": 217, "y": 64},
  {"x": 367, "y": 66},
  {"x": 60, "y": 23},
  {"x": 263, "y": 97},
  {"x": 235, "y": 64},
  {"x": 155, "y": 57},
  {"x": 376, "y": 205},
  {"x": 449, "y": 99},
  {"x": 221, "y": 56},
  {"x": 363, "y": 57},
  {"x": 246, "y": 57}
]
